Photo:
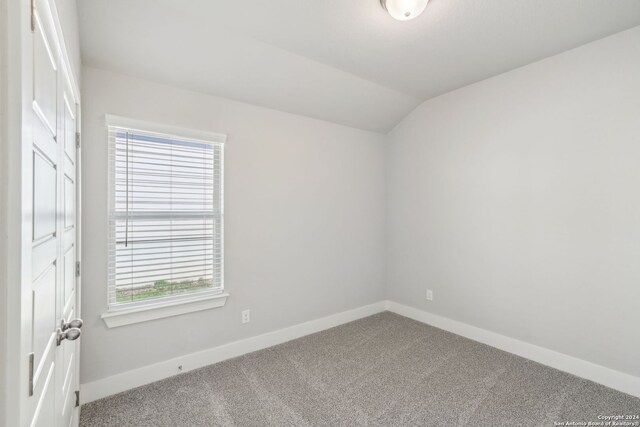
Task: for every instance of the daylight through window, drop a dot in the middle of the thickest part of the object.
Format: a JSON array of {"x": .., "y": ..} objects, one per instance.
[{"x": 165, "y": 219}]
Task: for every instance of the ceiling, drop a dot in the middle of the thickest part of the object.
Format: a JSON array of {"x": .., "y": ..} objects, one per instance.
[{"x": 345, "y": 61}]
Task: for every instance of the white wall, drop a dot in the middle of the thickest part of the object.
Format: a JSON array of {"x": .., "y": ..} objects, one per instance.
[
  {"x": 304, "y": 212},
  {"x": 517, "y": 201}
]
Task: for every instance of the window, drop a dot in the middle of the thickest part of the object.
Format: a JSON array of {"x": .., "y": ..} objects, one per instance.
[{"x": 165, "y": 217}]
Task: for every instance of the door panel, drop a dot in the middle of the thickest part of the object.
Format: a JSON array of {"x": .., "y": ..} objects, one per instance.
[
  {"x": 44, "y": 291},
  {"x": 45, "y": 194},
  {"x": 44, "y": 255},
  {"x": 69, "y": 380},
  {"x": 45, "y": 82},
  {"x": 69, "y": 349},
  {"x": 69, "y": 278},
  {"x": 44, "y": 410},
  {"x": 69, "y": 123},
  {"x": 53, "y": 251},
  {"x": 44, "y": 197},
  {"x": 69, "y": 203}
]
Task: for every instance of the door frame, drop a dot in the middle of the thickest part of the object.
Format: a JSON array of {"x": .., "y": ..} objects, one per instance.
[
  {"x": 15, "y": 180},
  {"x": 11, "y": 250},
  {"x": 4, "y": 175}
]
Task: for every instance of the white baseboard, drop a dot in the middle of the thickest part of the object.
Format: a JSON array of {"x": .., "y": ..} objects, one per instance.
[
  {"x": 148, "y": 374},
  {"x": 617, "y": 380},
  {"x": 625, "y": 383}
]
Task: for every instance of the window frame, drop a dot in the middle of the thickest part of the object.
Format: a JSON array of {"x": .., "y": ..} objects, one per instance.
[{"x": 153, "y": 308}]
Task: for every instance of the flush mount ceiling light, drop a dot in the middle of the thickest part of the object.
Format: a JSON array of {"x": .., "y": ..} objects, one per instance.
[{"x": 403, "y": 10}]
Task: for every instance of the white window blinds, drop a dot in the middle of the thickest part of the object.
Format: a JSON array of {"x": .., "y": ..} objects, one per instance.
[{"x": 165, "y": 218}]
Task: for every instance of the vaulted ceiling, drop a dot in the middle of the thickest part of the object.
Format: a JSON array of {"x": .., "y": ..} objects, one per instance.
[{"x": 345, "y": 61}]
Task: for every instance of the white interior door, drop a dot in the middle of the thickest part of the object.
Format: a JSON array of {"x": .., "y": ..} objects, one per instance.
[
  {"x": 53, "y": 352},
  {"x": 68, "y": 373}
]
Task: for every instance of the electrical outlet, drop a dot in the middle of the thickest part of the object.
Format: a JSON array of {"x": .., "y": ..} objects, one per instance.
[
  {"x": 429, "y": 295},
  {"x": 246, "y": 316}
]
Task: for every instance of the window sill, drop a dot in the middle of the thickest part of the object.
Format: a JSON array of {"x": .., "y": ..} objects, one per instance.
[{"x": 114, "y": 319}]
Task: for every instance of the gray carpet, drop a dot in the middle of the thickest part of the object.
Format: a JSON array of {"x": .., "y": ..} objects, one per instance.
[{"x": 385, "y": 370}]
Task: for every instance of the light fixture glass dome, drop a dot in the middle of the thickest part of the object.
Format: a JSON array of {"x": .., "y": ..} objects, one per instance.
[{"x": 404, "y": 10}]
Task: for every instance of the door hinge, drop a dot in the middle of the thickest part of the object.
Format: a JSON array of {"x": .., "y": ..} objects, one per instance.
[
  {"x": 77, "y": 268},
  {"x": 77, "y": 139},
  {"x": 77, "y": 398},
  {"x": 33, "y": 16},
  {"x": 30, "y": 374}
]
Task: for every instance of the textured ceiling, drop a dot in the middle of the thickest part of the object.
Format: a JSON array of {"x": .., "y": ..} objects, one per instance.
[{"x": 346, "y": 61}]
